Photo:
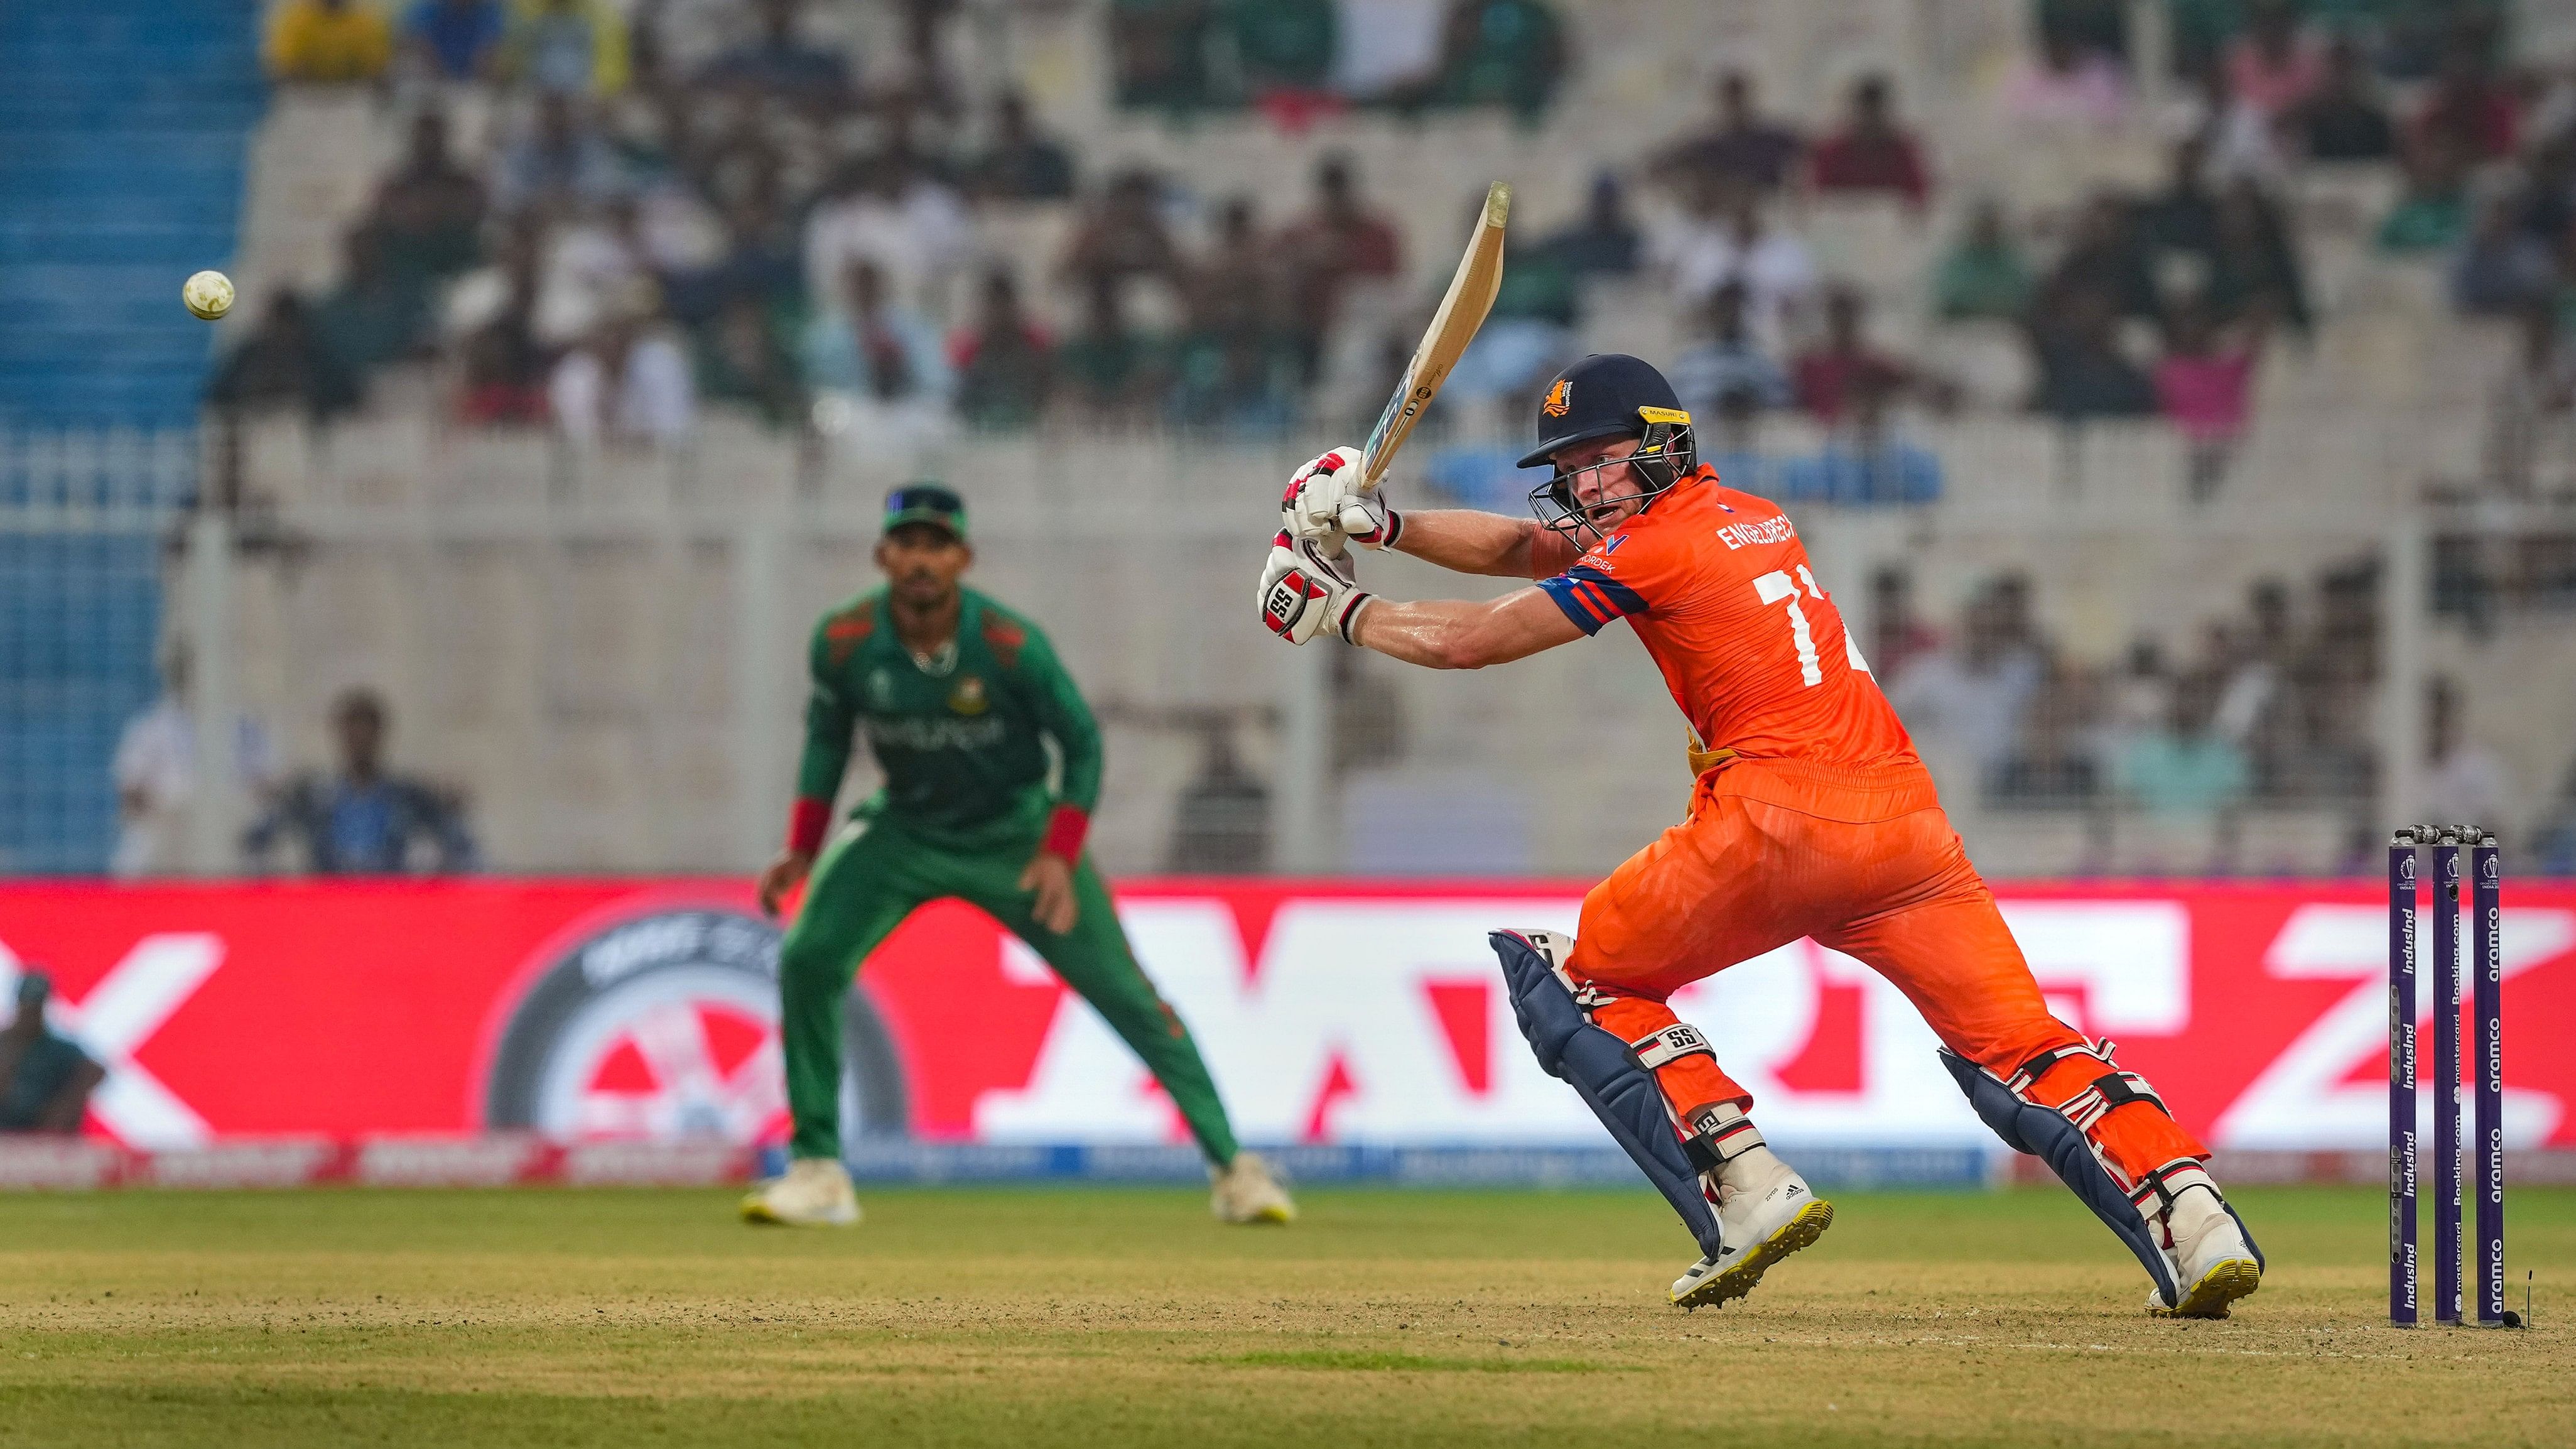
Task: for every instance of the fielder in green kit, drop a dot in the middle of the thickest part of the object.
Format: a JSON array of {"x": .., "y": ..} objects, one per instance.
[{"x": 957, "y": 697}]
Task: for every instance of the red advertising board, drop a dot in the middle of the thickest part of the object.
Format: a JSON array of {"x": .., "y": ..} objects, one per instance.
[{"x": 602, "y": 1011}]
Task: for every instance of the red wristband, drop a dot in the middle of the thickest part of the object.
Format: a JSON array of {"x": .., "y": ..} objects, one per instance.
[
  {"x": 808, "y": 821},
  {"x": 1064, "y": 832}
]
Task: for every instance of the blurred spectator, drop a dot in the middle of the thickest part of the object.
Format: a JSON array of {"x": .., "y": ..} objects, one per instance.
[
  {"x": 739, "y": 359},
  {"x": 2254, "y": 270},
  {"x": 2082, "y": 373},
  {"x": 501, "y": 374},
  {"x": 1158, "y": 52},
  {"x": 2253, "y": 703},
  {"x": 364, "y": 820},
  {"x": 1508, "y": 53},
  {"x": 1843, "y": 364},
  {"x": 1237, "y": 284},
  {"x": 1122, "y": 235},
  {"x": 1283, "y": 49},
  {"x": 566, "y": 47},
  {"x": 762, "y": 258},
  {"x": 2432, "y": 212},
  {"x": 429, "y": 212},
  {"x": 2095, "y": 27},
  {"x": 911, "y": 224},
  {"x": 2464, "y": 781},
  {"x": 456, "y": 40},
  {"x": 1341, "y": 241},
  {"x": 1864, "y": 461},
  {"x": 373, "y": 316},
  {"x": 1897, "y": 635},
  {"x": 558, "y": 162},
  {"x": 2104, "y": 256},
  {"x": 1728, "y": 366},
  {"x": 1221, "y": 820},
  {"x": 2272, "y": 67},
  {"x": 1984, "y": 275},
  {"x": 155, "y": 773},
  {"x": 284, "y": 363},
  {"x": 2064, "y": 86},
  {"x": 2053, "y": 764},
  {"x": 875, "y": 346},
  {"x": 500, "y": 366},
  {"x": 1871, "y": 152},
  {"x": 1742, "y": 148},
  {"x": 1109, "y": 371},
  {"x": 1606, "y": 241},
  {"x": 2547, "y": 206},
  {"x": 45, "y": 1078},
  {"x": 1005, "y": 363},
  {"x": 2530, "y": 408},
  {"x": 1234, "y": 382},
  {"x": 2184, "y": 216},
  {"x": 2469, "y": 108},
  {"x": 2501, "y": 269},
  {"x": 328, "y": 41},
  {"x": 1020, "y": 163},
  {"x": 1970, "y": 699},
  {"x": 778, "y": 64},
  {"x": 1735, "y": 244},
  {"x": 590, "y": 268},
  {"x": 2203, "y": 383},
  {"x": 627, "y": 382},
  {"x": 2188, "y": 768},
  {"x": 2343, "y": 119}
]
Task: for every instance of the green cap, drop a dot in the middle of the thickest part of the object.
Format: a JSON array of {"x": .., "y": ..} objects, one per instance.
[{"x": 931, "y": 503}]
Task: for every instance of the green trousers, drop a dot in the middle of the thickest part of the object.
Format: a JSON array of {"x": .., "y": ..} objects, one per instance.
[{"x": 869, "y": 879}]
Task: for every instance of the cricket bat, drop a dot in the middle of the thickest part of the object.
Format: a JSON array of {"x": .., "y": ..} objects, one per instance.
[{"x": 1462, "y": 311}]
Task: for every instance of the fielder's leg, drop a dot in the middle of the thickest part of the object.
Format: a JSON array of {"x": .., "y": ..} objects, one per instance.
[
  {"x": 1095, "y": 959},
  {"x": 859, "y": 892},
  {"x": 2048, "y": 1091}
]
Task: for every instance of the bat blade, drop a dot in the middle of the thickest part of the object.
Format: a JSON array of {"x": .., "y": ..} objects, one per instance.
[{"x": 1462, "y": 311}]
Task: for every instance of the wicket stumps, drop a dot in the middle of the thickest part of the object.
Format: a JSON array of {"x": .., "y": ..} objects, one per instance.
[{"x": 2485, "y": 997}]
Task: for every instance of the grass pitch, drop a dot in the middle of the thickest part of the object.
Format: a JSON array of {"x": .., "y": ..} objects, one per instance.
[{"x": 1125, "y": 1317}]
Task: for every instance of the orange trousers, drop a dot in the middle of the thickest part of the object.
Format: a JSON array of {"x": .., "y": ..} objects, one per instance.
[{"x": 1865, "y": 862}]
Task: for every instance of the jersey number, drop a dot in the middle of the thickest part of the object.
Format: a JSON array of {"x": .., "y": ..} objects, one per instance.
[{"x": 1778, "y": 588}]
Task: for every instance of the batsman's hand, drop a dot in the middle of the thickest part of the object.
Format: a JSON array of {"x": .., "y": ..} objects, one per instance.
[
  {"x": 1051, "y": 876},
  {"x": 1325, "y": 504},
  {"x": 782, "y": 876},
  {"x": 1306, "y": 592}
]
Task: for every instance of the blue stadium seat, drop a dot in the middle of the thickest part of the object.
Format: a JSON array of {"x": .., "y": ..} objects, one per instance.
[{"x": 129, "y": 123}]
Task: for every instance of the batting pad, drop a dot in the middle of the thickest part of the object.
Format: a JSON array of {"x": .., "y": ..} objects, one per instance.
[
  {"x": 1605, "y": 1073},
  {"x": 2045, "y": 1133}
]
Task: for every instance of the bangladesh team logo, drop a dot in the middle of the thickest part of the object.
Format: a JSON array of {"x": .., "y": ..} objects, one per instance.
[
  {"x": 664, "y": 1028},
  {"x": 969, "y": 697}
]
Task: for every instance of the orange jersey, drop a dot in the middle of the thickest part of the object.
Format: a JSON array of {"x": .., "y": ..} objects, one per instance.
[{"x": 1716, "y": 584}]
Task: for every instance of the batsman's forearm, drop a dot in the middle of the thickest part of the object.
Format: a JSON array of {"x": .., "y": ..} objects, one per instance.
[
  {"x": 1465, "y": 541},
  {"x": 1434, "y": 633}
]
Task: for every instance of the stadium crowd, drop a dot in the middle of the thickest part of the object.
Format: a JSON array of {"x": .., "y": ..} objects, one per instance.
[{"x": 758, "y": 228}]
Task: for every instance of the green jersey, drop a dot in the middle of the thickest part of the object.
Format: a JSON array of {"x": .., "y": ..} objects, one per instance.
[{"x": 961, "y": 735}]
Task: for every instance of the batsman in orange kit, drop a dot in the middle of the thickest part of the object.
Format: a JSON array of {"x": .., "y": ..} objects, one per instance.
[{"x": 1811, "y": 816}]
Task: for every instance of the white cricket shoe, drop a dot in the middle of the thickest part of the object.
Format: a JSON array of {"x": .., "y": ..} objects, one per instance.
[
  {"x": 814, "y": 1192},
  {"x": 2211, "y": 1259},
  {"x": 1245, "y": 1192},
  {"x": 1765, "y": 1212}
]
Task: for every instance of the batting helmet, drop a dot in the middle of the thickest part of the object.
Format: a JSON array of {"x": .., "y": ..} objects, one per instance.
[{"x": 1609, "y": 395}]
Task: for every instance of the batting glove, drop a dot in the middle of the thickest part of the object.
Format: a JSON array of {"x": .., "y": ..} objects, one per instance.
[
  {"x": 1325, "y": 504},
  {"x": 1306, "y": 592}
]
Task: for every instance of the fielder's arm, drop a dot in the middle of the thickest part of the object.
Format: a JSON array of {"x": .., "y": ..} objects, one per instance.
[
  {"x": 1457, "y": 634},
  {"x": 1465, "y": 541}
]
